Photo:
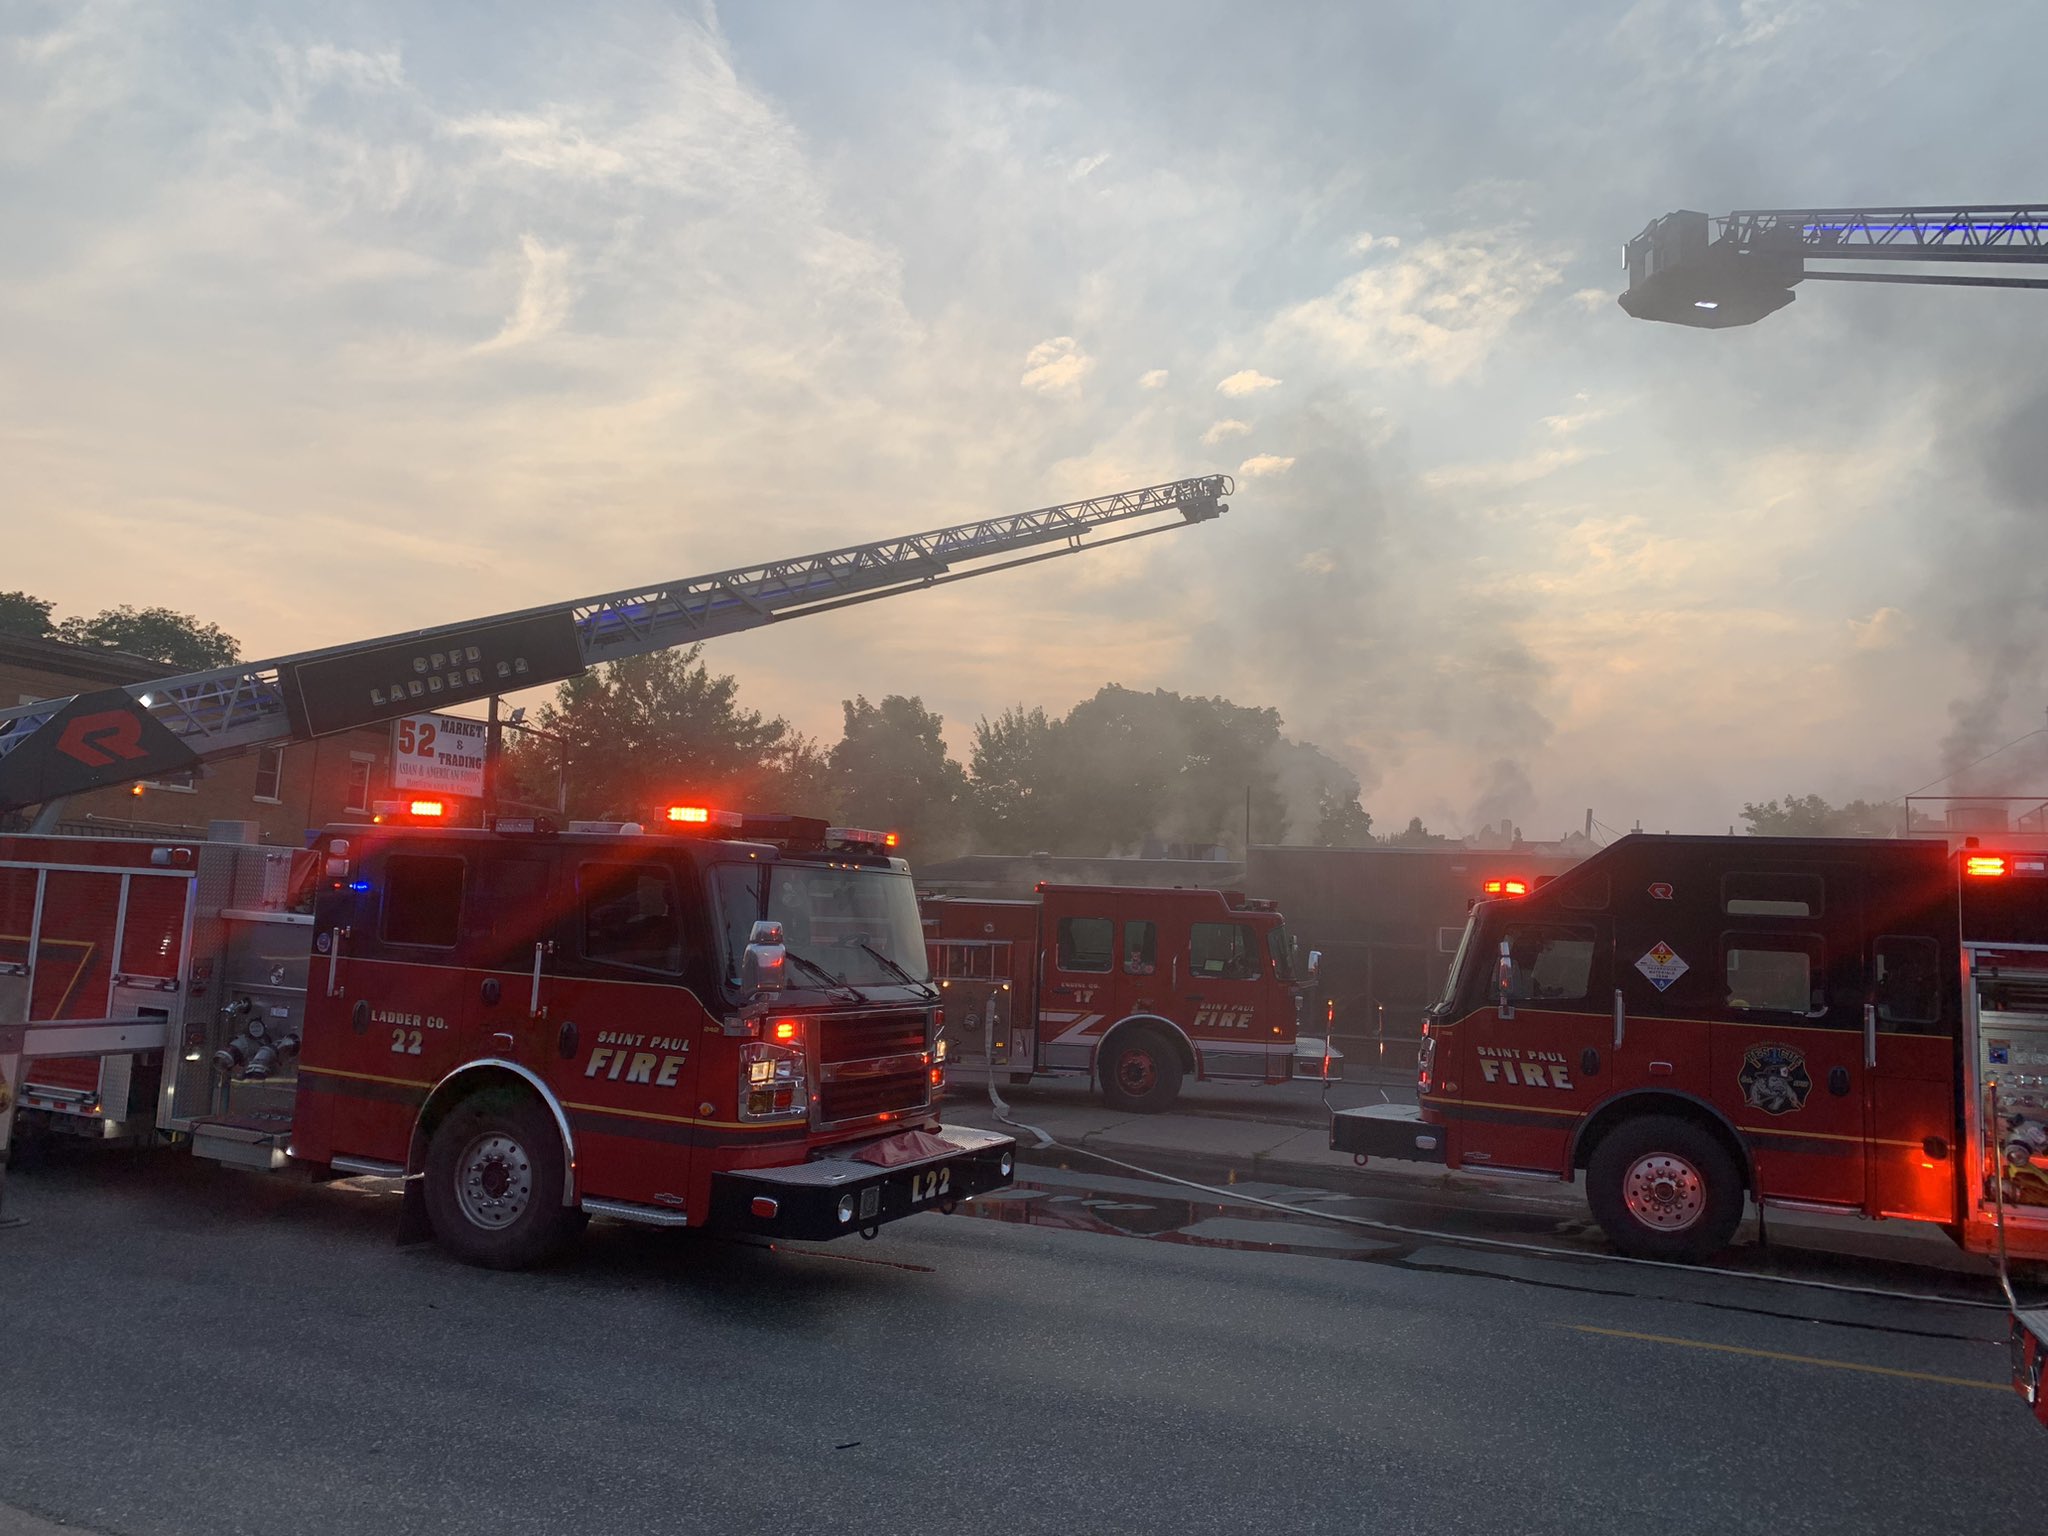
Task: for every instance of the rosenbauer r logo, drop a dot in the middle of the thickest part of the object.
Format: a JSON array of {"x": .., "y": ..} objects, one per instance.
[{"x": 96, "y": 740}]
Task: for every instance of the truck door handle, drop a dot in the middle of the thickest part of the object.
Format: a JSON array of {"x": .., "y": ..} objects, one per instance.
[
  {"x": 1870, "y": 1034},
  {"x": 1838, "y": 1081},
  {"x": 1589, "y": 1062}
]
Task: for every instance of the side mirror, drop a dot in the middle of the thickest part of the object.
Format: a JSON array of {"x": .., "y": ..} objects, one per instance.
[
  {"x": 1504, "y": 995},
  {"x": 765, "y": 957},
  {"x": 1315, "y": 965}
]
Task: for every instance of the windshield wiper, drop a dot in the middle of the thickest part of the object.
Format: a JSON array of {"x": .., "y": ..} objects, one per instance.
[
  {"x": 897, "y": 971},
  {"x": 822, "y": 974}
]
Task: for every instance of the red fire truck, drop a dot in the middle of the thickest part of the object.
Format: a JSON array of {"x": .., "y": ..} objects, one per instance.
[
  {"x": 1824, "y": 1024},
  {"x": 1137, "y": 988},
  {"x": 730, "y": 1027}
]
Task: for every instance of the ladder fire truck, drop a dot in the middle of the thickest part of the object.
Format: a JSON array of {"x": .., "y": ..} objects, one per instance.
[
  {"x": 526, "y": 1024},
  {"x": 1135, "y": 988},
  {"x": 1831, "y": 1024}
]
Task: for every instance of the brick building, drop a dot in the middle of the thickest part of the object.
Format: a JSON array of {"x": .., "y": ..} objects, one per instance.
[{"x": 283, "y": 789}]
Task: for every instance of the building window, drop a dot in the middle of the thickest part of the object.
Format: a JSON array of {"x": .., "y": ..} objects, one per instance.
[
  {"x": 359, "y": 773},
  {"x": 269, "y": 774}
]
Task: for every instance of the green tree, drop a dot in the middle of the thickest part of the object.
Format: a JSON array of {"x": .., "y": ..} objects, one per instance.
[
  {"x": 1321, "y": 796},
  {"x": 1020, "y": 786},
  {"x": 161, "y": 634},
  {"x": 890, "y": 772},
  {"x": 1811, "y": 816},
  {"x": 651, "y": 731},
  {"x": 23, "y": 615}
]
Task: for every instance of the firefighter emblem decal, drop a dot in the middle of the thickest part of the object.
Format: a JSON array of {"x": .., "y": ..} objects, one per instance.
[{"x": 1774, "y": 1079}]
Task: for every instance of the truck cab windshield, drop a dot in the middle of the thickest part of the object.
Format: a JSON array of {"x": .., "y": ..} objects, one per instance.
[{"x": 858, "y": 926}]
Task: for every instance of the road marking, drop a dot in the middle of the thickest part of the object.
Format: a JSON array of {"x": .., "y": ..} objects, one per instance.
[{"x": 1772, "y": 1354}]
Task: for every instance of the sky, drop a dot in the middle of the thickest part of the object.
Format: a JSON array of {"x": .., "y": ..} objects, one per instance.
[{"x": 329, "y": 322}]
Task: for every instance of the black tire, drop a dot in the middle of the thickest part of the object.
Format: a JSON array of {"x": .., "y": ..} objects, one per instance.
[
  {"x": 494, "y": 1183},
  {"x": 1665, "y": 1188},
  {"x": 1140, "y": 1071}
]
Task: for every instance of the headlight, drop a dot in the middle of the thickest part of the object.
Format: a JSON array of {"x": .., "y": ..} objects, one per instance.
[{"x": 846, "y": 1207}]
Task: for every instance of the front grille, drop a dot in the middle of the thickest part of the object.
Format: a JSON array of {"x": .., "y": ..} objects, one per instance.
[
  {"x": 864, "y": 1096},
  {"x": 859, "y": 1037},
  {"x": 864, "y": 1036}
]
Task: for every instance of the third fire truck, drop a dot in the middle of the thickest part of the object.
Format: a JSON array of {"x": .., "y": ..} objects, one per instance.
[
  {"x": 1823, "y": 1024},
  {"x": 1136, "y": 988}
]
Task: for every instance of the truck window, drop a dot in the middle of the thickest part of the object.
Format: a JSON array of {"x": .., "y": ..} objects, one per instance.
[
  {"x": 1223, "y": 951},
  {"x": 1908, "y": 982},
  {"x": 630, "y": 916},
  {"x": 422, "y": 900},
  {"x": 1761, "y": 893},
  {"x": 1773, "y": 973},
  {"x": 1141, "y": 947},
  {"x": 1553, "y": 964},
  {"x": 511, "y": 914},
  {"x": 1280, "y": 950},
  {"x": 1084, "y": 943}
]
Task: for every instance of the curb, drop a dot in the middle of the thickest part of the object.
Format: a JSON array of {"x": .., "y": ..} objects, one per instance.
[{"x": 1365, "y": 1183}]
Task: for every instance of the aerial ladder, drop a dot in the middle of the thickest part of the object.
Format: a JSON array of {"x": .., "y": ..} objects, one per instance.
[
  {"x": 54, "y": 748},
  {"x": 1714, "y": 272}
]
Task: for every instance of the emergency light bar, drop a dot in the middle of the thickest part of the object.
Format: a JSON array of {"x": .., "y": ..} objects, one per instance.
[
  {"x": 1507, "y": 887},
  {"x": 1984, "y": 865},
  {"x": 703, "y": 816},
  {"x": 860, "y": 837},
  {"x": 424, "y": 810}
]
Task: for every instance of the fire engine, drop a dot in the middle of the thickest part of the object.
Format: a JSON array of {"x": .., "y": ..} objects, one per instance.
[
  {"x": 725, "y": 1021},
  {"x": 527, "y": 1025},
  {"x": 1135, "y": 988},
  {"x": 1822, "y": 1024}
]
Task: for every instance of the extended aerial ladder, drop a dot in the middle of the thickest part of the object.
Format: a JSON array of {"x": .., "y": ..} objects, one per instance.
[
  {"x": 1714, "y": 272},
  {"x": 59, "y": 747}
]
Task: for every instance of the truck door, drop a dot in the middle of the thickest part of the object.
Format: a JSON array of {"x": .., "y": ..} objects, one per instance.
[
  {"x": 1077, "y": 980},
  {"x": 625, "y": 1032},
  {"x": 1912, "y": 1157},
  {"x": 1225, "y": 969},
  {"x": 1786, "y": 1048},
  {"x": 410, "y": 994},
  {"x": 510, "y": 939},
  {"x": 1522, "y": 1071}
]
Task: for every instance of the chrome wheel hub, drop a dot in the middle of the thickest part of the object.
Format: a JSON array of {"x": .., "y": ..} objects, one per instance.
[
  {"x": 1664, "y": 1192},
  {"x": 494, "y": 1181}
]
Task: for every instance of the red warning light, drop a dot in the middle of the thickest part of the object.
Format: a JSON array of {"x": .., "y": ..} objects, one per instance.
[
  {"x": 428, "y": 808},
  {"x": 785, "y": 1029},
  {"x": 696, "y": 815},
  {"x": 1507, "y": 887},
  {"x": 1984, "y": 865},
  {"x": 890, "y": 839}
]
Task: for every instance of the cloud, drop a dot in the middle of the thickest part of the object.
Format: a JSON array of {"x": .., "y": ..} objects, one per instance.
[
  {"x": 1365, "y": 243},
  {"x": 544, "y": 298},
  {"x": 1153, "y": 379},
  {"x": 1504, "y": 474},
  {"x": 1219, "y": 430},
  {"x": 1592, "y": 300},
  {"x": 1442, "y": 308},
  {"x": 1056, "y": 367},
  {"x": 1087, "y": 167},
  {"x": 1884, "y": 630},
  {"x": 1263, "y": 464},
  {"x": 1246, "y": 381}
]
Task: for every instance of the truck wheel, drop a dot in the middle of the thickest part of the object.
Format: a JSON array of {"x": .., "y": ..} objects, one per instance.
[
  {"x": 1664, "y": 1188},
  {"x": 1140, "y": 1072},
  {"x": 494, "y": 1183}
]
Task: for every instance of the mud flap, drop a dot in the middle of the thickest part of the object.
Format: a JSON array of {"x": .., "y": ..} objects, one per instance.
[{"x": 413, "y": 1226}]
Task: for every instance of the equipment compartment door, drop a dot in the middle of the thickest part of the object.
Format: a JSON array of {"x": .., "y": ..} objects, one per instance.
[
  {"x": 1913, "y": 1155},
  {"x": 2008, "y": 996}
]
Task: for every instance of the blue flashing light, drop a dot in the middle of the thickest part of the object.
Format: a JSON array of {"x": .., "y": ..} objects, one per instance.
[{"x": 359, "y": 885}]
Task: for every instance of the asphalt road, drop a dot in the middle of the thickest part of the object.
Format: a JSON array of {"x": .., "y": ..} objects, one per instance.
[{"x": 191, "y": 1349}]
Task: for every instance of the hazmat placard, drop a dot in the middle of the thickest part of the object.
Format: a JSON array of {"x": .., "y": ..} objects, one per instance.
[
  {"x": 1662, "y": 965},
  {"x": 439, "y": 752}
]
